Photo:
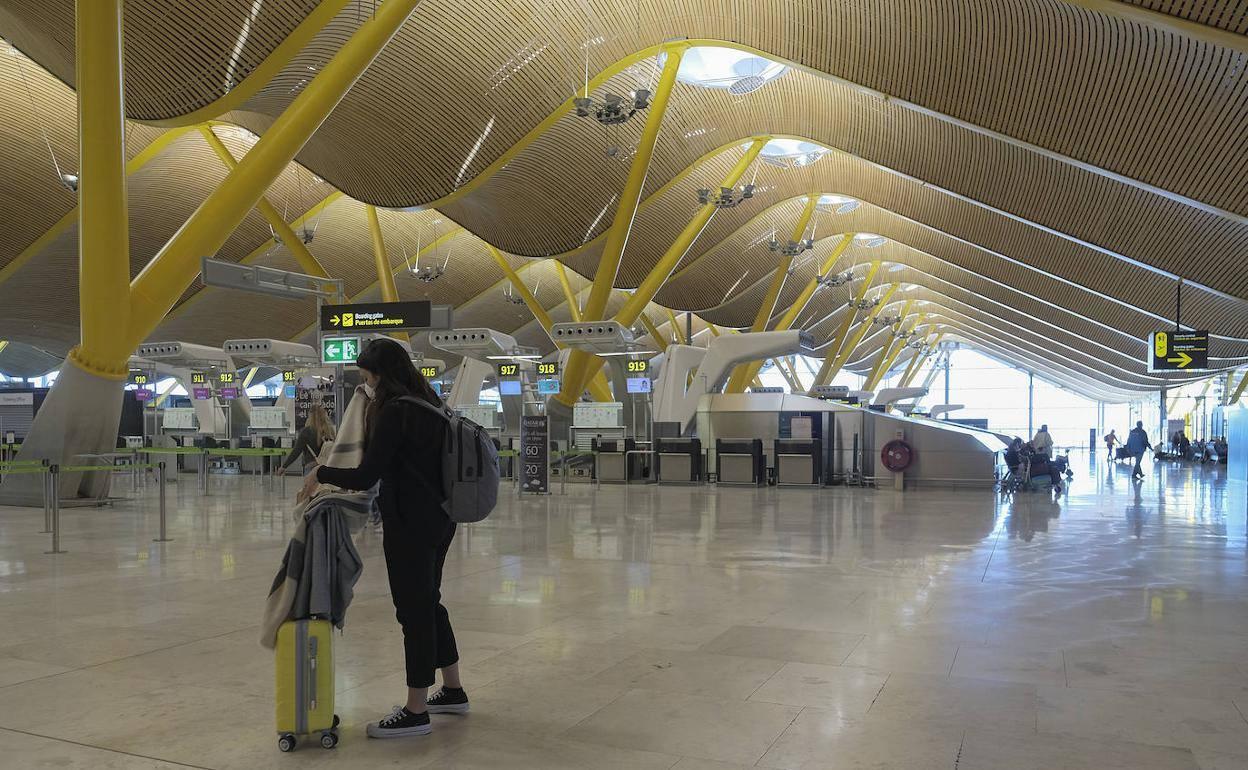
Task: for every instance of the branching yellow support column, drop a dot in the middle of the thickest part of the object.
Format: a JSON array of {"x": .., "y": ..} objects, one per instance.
[
  {"x": 677, "y": 333},
  {"x": 795, "y": 309},
  {"x": 863, "y": 328},
  {"x": 825, "y": 373},
  {"x": 171, "y": 271},
  {"x": 645, "y": 293},
  {"x": 917, "y": 364},
  {"x": 103, "y": 224},
  {"x": 381, "y": 259},
  {"x": 736, "y": 383},
  {"x": 626, "y": 209},
  {"x": 1239, "y": 389},
  {"x": 574, "y": 308},
  {"x": 598, "y": 387},
  {"x": 914, "y": 359},
  {"x": 654, "y": 332},
  {"x": 888, "y": 352},
  {"x": 293, "y": 243}
]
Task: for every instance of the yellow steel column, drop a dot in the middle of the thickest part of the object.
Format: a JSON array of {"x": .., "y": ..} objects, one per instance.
[
  {"x": 678, "y": 334},
  {"x": 886, "y": 353},
  {"x": 825, "y": 369},
  {"x": 863, "y": 328},
  {"x": 1239, "y": 389},
  {"x": 790, "y": 315},
  {"x": 381, "y": 258},
  {"x": 103, "y": 224},
  {"x": 574, "y": 308},
  {"x": 598, "y": 386},
  {"x": 740, "y": 373},
  {"x": 171, "y": 271},
  {"x": 654, "y": 332},
  {"x": 626, "y": 209},
  {"x": 918, "y": 362},
  {"x": 901, "y": 349},
  {"x": 293, "y": 243},
  {"x": 583, "y": 366}
]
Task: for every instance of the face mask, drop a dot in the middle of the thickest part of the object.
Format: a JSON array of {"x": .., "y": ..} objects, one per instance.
[{"x": 370, "y": 391}]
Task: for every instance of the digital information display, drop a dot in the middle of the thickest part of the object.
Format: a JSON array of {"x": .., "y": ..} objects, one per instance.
[
  {"x": 201, "y": 394},
  {"x": 534, "y": 453},
  {"x": 509, "y": 387},
  {"x": 377, "y": 316},
  {"x": 228, "y": 393},
  {"x": 143, "y": 394},
  {"x": 290, "y": 391},
  {"x": 638, "y": 384},
  {"x": 548, "y": 387}
]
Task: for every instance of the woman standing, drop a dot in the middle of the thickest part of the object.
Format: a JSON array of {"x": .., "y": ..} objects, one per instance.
[
  {"x": 403, "y": 443},
  {"x": 308, "y": 443}
]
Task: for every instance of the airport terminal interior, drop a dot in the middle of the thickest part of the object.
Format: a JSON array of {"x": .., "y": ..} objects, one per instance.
[{"x": 806, "y": 384}]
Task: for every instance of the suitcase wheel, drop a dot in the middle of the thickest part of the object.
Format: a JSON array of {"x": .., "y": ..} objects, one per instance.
[
  {"x": 329, "y": 740},
  {"x": 286, "y": 743}
]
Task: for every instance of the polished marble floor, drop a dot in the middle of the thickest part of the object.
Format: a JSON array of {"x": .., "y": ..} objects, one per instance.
[{"x": 689, "y": 628}]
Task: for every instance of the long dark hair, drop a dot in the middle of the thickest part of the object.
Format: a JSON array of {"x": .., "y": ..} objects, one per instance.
[{"x": 396, "y": 377}]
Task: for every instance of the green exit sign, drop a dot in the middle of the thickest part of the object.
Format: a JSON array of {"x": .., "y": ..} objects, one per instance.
[{"x": 340, "y": 350}]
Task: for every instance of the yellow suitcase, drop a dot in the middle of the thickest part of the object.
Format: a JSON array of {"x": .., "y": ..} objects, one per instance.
[{"x": 305, "y": 683}]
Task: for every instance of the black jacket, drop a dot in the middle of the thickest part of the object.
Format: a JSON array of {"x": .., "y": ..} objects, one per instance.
[{"x": 405, "y": 454}]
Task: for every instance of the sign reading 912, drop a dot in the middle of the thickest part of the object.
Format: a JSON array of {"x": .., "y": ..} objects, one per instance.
[{"x": 509, "y": 370}]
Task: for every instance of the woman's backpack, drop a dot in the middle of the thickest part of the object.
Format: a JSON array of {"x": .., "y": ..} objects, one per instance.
[{"x": 469, "y": 466}]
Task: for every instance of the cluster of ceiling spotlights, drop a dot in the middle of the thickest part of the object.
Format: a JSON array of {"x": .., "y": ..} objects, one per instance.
[
  {"x": 886, "y": 320},
  {"x": 429, "y": 273},
  {"x": 864, "y": 303},
  {"x": 791, "y": 248},
  {"x": 727, "y": 197},
  {"x": 832, "y": 281},
  {"x": 613, "y": 110}
]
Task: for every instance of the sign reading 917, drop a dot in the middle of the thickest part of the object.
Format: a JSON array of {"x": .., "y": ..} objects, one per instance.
[{"x": 509, "y": 370}]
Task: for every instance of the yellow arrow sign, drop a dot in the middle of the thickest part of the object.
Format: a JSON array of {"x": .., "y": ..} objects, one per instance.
[
  {"x": 1182, "y": 360},
  {"x": 334, "y": 320}
]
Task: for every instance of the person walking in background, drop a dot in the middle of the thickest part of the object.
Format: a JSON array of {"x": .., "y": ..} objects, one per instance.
[
  {"x": 1111, "y": 441},
  {"x": 1043, "y": 442},
  {"x": 1137, "y": 444},
  {"x": 318, "y": 430}
]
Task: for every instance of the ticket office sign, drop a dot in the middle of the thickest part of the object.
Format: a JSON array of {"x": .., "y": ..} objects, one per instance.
[{"x": 535, "y": 454}]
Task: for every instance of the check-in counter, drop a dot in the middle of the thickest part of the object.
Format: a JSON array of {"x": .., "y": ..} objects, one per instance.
[
  {"x": 619, "y": 460},
  {"x": 740, "y": 461},
  {"x": 678, "y": 460},
  {"x": 799, "y": 462}
]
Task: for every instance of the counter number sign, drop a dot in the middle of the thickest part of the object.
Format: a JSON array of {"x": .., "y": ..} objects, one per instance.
[
  {"x": 199, "y": 378},
  {"x": 289, "y": 376},
  {"x": 226, "y": 378},
  {"x": 548, "y": 368},
  {"x": 638, "y": 367},
  {"x": 139, "y": 378},
  {"x": 428, "y": 372},
  {"x": 509, "y": 370},
  {"x": 1174, "y": 351}
]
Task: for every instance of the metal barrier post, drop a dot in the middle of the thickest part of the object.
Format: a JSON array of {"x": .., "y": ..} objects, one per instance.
[
  {"x": 203, "y": 473},
  {"x": 160, "y": 483},
  {"x": 47, "y": 501},
  {"x": 53, "y": 475}
]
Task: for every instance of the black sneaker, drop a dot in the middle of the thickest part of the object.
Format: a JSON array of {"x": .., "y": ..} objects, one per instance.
[
  {"x": 449, "y": 701},
  {"x": 400, "y": 723}
]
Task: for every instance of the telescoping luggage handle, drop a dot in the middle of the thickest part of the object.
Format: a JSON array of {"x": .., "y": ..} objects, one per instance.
[{"x": 312, "y": 646}]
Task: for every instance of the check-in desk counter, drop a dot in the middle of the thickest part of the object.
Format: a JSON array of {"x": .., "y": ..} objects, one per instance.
[
  {"x": 799, "y": 462},
  {"x": 620, "y": 460},
  {"x": 678, "y": 460},
  {"x": 740, "y": 461}
]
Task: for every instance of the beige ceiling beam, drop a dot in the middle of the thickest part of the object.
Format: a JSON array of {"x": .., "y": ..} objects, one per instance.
[{"x": 157, "y": 287}]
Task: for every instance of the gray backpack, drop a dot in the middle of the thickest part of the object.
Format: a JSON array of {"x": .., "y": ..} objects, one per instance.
[{"x": 469, "y": 466}]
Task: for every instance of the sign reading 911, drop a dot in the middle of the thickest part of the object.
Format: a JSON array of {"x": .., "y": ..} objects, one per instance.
[{"x": 1174, "y": 351}]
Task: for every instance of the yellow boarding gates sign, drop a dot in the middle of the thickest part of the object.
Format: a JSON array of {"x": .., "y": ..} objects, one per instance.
[{"x": 1178, "y": 351}]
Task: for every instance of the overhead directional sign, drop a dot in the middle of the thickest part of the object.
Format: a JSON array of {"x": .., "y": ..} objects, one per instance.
[
  {"x": 377, "y": 316},
  {"x": 340, "y": 350},
  {"x": 1172, "y": 351}
]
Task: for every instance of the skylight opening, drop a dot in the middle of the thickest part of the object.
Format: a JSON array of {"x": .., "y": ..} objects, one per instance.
[{"x": 738, "y": 72}]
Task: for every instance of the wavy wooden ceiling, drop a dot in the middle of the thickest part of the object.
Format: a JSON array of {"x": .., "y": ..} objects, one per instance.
[{"x": 994, "y": 141}]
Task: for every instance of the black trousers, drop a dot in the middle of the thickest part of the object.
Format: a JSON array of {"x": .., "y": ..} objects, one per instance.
[{"x": 415, "y": 545}]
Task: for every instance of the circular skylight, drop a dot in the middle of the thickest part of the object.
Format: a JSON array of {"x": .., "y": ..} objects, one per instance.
[
  {"x": 841, "y": 204},
  {"x": 738, "y": 72},
  {"x": 792, "y": 153},
  {"x": 870, "y": 240}
]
